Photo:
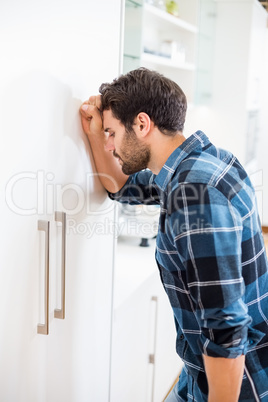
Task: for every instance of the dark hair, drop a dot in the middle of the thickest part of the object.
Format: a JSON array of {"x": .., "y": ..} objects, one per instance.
[{"x": 147, "y": 91}]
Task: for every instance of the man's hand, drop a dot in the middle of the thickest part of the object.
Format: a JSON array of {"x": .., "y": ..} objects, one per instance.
[
  {"x": 109, "y": 170},
  {"x": 224, "y": 378},
  {"x": 91, "y": 117}
]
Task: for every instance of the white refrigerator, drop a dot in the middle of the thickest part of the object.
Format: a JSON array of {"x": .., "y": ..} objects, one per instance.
[{"x": 57, "y": 224}]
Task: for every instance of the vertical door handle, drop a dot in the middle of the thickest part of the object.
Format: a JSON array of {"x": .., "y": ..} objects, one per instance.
[
  {"x": 44, "y": 328},
  {"x": 153, "y": 348},
  {"x": 61, "y": 217}
]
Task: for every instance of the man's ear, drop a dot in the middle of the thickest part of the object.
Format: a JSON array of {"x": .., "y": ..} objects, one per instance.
[{"x": 143, "y": 124}]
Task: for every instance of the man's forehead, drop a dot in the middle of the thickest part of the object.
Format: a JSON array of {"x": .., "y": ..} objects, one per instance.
[{"x": 110, "y": 123}]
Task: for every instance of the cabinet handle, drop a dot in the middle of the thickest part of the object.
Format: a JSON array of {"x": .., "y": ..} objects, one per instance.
[
  {"x": 152, "y": 355},
  {"x": 61, "y": 217},
  {"x": 44, "y": 328}
]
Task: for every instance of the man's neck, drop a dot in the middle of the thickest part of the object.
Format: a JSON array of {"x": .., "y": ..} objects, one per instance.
[{"x": 161, "y": 148}]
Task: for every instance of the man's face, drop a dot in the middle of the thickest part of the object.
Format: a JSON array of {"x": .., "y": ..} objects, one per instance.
[{"x": 133, "y": 155}]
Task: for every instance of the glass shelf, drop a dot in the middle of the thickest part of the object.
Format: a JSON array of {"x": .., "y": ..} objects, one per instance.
[
  {"x": 130, "y": 63},
  {"x": 168, "y": 62},
  {"x": 148, "y": 28},
  {"x": 163, "y": 16},
  {"x": 130, "y": 56},
  {"x": 131, "y": 3}
]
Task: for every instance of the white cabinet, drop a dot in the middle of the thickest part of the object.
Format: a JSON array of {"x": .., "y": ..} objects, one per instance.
[
  {"x": 144, "y": 360},
  {"x": 163, "y": 42},
  {"x": 53, "y": 56}
]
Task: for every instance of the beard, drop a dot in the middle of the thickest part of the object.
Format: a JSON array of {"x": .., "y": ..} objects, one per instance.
[{"x": 134, "y": 155}]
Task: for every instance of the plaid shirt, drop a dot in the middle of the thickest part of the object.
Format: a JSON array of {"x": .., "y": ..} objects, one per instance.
[{"x": 212, "y": 262}]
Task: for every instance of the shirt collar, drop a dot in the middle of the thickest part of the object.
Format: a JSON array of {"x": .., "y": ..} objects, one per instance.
[{"x": 196, "y": 141}]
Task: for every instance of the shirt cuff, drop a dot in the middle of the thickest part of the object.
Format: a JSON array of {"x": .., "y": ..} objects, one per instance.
[{"x": 249, "y": 338}]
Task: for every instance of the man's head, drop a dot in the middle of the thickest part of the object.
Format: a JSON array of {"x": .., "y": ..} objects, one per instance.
[{"x": 146, "y": 91}]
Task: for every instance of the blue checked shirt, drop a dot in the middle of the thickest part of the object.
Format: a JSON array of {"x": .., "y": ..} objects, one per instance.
[{"x": 212, "y": 262}]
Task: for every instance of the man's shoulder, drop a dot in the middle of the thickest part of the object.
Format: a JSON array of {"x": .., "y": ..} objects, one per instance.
[
  {"x": 218, "y": 176},
  {"x": 209, "y": 168}
]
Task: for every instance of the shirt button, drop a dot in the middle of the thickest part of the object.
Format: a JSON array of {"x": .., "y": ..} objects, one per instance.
[{"x": 181, "y": 337}]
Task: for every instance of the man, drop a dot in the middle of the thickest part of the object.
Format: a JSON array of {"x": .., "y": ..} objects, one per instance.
[{"x": 209, "y": 249}]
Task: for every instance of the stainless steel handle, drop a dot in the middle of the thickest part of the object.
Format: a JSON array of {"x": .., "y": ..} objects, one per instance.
[
  {"x": 61, "y": 217},
  {"x": 44, "y": 328},
  {"x": 153, "y": 351}
]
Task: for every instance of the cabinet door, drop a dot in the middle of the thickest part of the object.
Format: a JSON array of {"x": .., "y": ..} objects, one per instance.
[
  {"x": 25, "y": 137},
  {"x": 133, "y": 337},
  {"x": 79, "y": 346},
  {"x": 144, "y": 361},
  {"x": 54, "y": 56},
  {"x": 167, "y": 363}
]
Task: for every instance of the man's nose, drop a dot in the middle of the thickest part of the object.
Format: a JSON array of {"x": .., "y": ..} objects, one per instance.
[{"x": 109, "y": 146}]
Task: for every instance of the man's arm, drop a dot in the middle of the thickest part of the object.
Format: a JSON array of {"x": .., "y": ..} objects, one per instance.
[
  {"x": 110, "y": 172},
  {"x": 212, "y": 258},
  {"x": 224, "y": 378}
]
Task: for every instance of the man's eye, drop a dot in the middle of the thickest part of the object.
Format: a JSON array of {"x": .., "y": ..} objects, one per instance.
[{"x": 111, "y": 134}]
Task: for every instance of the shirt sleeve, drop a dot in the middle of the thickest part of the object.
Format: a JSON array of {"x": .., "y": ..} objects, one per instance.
[
  {"x": 139, "y": 189},
  {"x": 207, "y": 231}
]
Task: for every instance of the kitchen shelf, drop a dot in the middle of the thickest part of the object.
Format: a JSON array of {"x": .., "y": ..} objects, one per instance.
[
  {"x": 131, "y": 56},
  {"x": 167, "y": 62},
  {"x": 133, "y": 3},
  {"x": 163, "y": 16},
  {"x": 155, "y": 39}
]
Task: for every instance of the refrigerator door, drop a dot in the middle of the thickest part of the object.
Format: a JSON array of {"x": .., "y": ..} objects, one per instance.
[{"x": 54, "y": 55}]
